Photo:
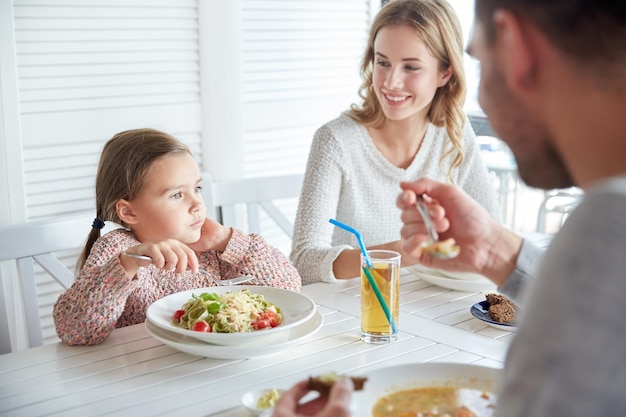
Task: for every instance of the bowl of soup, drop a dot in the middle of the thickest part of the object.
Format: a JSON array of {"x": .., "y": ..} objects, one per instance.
[{"x": 429, "y": 389}]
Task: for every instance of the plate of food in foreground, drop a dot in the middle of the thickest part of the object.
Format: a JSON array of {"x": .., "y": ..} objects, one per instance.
[
  {"x": 296, "y": 335},
  {"x": 429, "y": 389},
  {"x": 232, "y": 315},
  {"x": 497, "y": 311}
]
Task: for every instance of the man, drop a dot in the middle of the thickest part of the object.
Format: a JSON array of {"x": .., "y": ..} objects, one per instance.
[{"x": 553, "y": 83}]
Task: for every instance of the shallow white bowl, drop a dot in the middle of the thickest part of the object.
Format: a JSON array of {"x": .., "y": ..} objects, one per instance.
[
  {"x": 466, "y": 276},
  {"x": 383, "y": 381},
  {"x": 250, "y": 399},
  {"x": 437, "y": 277},
  {"x": 192, "y": 346},
  {"x": 295, "y": 309}
]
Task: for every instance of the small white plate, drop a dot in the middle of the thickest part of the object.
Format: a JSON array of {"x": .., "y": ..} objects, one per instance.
[
  {"x": 383, "y": 381},
  {"x": 435, "y": 277},
  {"x": 251, "y": 398},
  {"x": 295, "y": 309},
  {"x": 467, "y": 276},
  {"x": 195, "y": 347},
  {"x": 481, "y": 312}
]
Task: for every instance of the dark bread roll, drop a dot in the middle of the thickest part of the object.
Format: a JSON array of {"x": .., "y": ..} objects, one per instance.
[
  {"x": 501, "y": 309},
  {"x": 503, "y": 313},
  {"x": 323, "y": 383}
]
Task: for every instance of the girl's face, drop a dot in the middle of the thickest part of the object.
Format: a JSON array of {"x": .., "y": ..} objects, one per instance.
[
  {"x": 406, "y": 75},
  {"x": 169, "y": 205}
]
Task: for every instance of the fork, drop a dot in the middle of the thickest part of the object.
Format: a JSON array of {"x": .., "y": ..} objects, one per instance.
[
  {"x": 223, "y": 282},
  {"x": 434, "y": 238}
]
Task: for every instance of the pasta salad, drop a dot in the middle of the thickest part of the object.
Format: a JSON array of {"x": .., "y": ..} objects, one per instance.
[{"x": 232, "y": 312}]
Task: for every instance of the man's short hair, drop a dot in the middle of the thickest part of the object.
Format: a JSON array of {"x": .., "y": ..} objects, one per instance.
[{"x": 591, "y": 32}]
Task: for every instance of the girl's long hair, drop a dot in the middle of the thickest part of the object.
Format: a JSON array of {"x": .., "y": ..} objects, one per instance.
[
  {"x": 438, "y": 26},
  {"x": 123, "y": 165}
]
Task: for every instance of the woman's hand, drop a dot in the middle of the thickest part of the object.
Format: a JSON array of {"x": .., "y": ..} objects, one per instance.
[
  {"x": 213, "y": 236},
  {"x": 487, "y": 247},
  {"x": 336, "y": 404},
  {"x": 170, "y": 254}
]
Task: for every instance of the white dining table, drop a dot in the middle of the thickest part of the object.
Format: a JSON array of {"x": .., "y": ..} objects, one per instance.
[{"x": 133, "y": 374}]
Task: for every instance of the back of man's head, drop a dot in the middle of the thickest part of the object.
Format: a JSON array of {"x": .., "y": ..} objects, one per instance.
[{"x": 591, "y": 32}]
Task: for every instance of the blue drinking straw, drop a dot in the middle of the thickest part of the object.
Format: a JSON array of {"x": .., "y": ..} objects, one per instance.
[
  {"x": 358, "y": 238},
  {"x": 368, "y": 273}
]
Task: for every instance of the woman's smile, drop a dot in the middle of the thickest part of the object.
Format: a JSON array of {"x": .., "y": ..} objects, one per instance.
[{"x": 396, "y": 99}]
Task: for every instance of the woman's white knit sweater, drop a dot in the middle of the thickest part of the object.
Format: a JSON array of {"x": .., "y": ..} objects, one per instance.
[{"x": 349, "y": 180}]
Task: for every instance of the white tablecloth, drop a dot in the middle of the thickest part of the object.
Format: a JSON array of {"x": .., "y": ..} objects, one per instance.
[{"x": 133, "y": 374}]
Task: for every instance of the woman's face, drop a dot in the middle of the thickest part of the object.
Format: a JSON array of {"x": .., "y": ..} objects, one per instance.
[
  {"x": 406, "y": 75},
  {"x": 169, "y": 205}
]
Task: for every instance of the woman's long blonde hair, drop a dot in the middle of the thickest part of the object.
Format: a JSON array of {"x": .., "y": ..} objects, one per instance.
[
  {"x": 123, "y": 165},
  {"x": 438, "y": 26}
]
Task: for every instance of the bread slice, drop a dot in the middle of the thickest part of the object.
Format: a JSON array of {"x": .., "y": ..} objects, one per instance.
[
  {"x": 323, "y": 383},
  {"x": 501, "y": 309}
]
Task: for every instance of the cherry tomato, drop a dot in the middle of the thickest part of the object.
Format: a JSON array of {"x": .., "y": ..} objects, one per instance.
[
  {"x": 178, "y": 314},
  {"x": 273, "y": 317},
  {"x": 259, "y": 324},
  {"x": 201, "y": 326}
]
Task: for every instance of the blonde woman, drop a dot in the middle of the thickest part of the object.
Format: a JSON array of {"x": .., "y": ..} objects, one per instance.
[{"x": 409, "y": 125}]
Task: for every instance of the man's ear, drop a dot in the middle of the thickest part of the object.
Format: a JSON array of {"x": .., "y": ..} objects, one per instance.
[
  {"x": 125, "y": 212},
  {"x": 518, "y": 57}
]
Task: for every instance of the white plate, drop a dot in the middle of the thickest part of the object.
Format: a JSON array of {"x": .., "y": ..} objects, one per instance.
[
  {"x": 467, "y": 276},
  {"x": 383, "y": 381},
  {"x": 295, "y": 309},
  {"x": 437, "y": 278},
  {"x": 481, "y": 312},
  {"x": 194, "y": 347}
]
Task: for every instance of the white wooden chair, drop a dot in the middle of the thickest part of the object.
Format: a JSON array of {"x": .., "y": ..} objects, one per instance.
[
  {"x": 31, "y": 243},
  {"x": 242, "y": 203},
  {"x": 481, "y": 125},
  {"x": 560, "y": 202}
]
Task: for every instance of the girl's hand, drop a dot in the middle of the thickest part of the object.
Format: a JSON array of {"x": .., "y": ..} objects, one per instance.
[
  {"x": 169, "y": 254},
  {"x": 214, "y": 237}
]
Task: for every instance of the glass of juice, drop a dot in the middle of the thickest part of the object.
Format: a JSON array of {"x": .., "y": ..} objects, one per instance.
[{"x": 384, "y": 270}]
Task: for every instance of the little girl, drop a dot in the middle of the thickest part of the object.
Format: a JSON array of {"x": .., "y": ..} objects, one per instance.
[{"x": 149, "y": 183}]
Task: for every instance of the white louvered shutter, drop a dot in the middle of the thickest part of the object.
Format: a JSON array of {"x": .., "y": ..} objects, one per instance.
[
  {"x": 300, "y": 69},
  {"x": 86, "y": 70},
  {"x": 90, "y": 68}
]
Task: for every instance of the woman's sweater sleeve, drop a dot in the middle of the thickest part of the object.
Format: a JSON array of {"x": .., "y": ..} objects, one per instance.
[{"x": 312, "y": 252}]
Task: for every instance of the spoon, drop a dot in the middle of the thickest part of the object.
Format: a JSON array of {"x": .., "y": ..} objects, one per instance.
[
  {"x": 222, "y": 282},
  {"x": 445, "y": 249}
]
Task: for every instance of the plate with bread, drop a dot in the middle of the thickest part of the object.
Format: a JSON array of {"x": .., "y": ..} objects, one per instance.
[{"x": 497, "y": 311}]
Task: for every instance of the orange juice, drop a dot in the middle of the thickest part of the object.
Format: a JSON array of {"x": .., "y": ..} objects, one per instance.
[{"x": 375, "y": 326}]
